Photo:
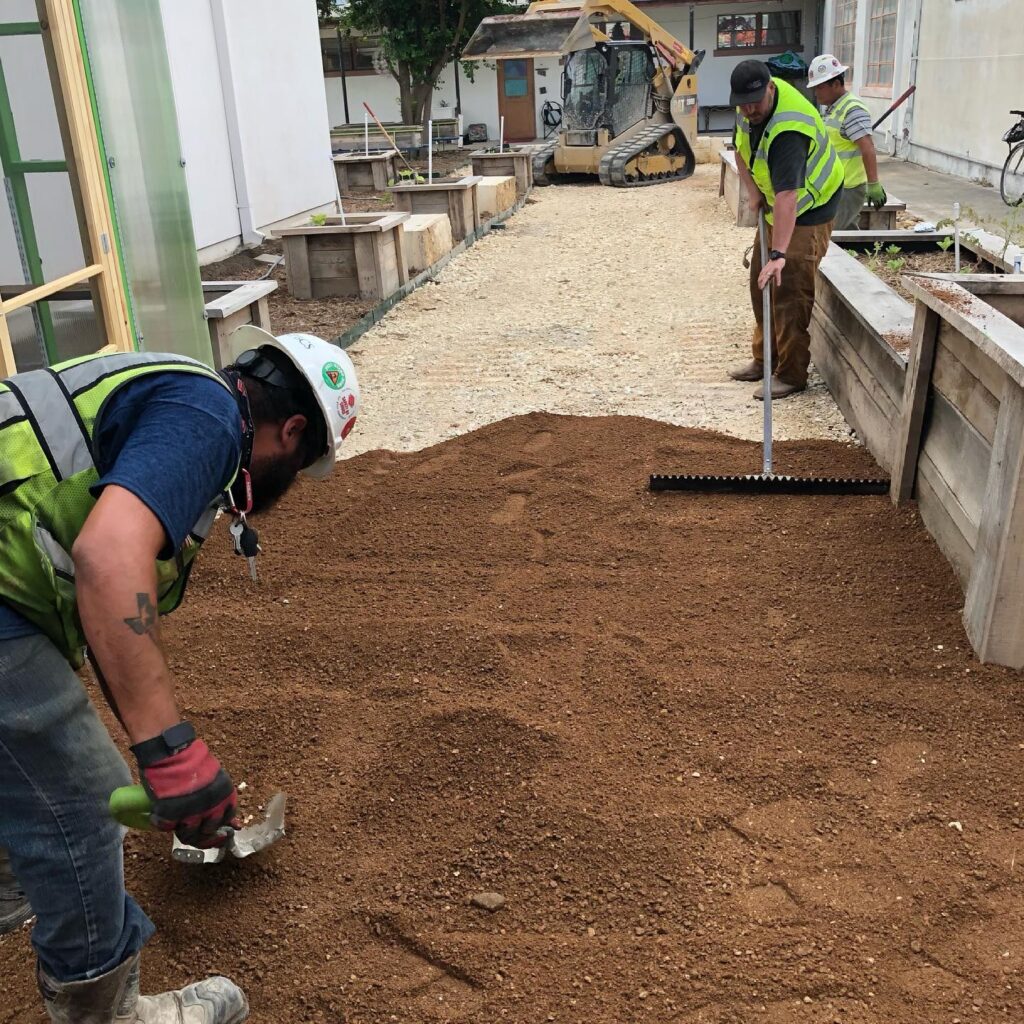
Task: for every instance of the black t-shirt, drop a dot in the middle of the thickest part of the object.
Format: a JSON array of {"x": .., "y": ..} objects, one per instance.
[{"x": 787, "y": 164}]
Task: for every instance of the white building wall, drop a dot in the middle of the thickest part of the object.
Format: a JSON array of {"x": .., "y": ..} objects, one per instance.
[
  {"x": 202, "y": 123},
  {"x": 967, "y": 61}
]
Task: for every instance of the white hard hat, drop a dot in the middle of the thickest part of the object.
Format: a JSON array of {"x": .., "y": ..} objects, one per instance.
[
  {"x": 824, "y": 69},
  {"x": 330, "y": 375}
]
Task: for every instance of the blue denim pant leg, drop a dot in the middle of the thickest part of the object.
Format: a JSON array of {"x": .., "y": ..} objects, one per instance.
[{"x": 58, "y": 767}]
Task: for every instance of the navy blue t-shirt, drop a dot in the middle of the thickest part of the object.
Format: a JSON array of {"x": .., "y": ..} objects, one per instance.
[{"x": 174, "y": 441}]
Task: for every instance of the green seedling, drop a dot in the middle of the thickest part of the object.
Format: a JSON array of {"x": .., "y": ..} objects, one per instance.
[
  {"x": 318, "y": 219},
  {"x": 895, "y": 265},
  {"x": 893, "y": 250},
  {"x": 945, "y": 244}
]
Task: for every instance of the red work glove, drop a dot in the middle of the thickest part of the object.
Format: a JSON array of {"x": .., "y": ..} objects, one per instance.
[{"x": 192, "y": 794}]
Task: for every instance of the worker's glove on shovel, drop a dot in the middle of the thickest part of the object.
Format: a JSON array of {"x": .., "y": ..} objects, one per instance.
[
  {"x": 192, "y": 795},
  {"x": 876, "y": 194}
]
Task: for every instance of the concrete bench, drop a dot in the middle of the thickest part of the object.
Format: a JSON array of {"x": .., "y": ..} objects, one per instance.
[
  {"x": 428, "y": 238},
  {"x": 495, "y": 194}
]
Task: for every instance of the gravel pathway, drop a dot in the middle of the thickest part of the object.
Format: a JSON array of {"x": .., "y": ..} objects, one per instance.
[{"x": 592, "y": 301}]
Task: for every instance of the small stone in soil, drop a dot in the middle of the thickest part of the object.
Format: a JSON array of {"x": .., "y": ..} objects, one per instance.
[{"x": 491, "y": 901}]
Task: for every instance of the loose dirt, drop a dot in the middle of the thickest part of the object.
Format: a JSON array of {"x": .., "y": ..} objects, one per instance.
[
  {"x": 891, "y": 268},
  {"x": 725, "y": 760}
]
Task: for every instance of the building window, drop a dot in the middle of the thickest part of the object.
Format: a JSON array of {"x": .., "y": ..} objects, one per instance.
[
  {"x": 358, "y": 54},
  {"x": 844, "y": 32},
  {"x": 758, "y": 33},
  {"x": 881, "y": 44}
]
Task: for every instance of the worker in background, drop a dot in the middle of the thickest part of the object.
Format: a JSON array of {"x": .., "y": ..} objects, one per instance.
[
  {"x": 113, "y": 470},
  {"x": 792, "y": 172},
  {"x": 849, "y": 127}
]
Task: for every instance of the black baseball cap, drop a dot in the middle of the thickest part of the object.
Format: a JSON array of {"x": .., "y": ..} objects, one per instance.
[{"x": 749, "y": 82}]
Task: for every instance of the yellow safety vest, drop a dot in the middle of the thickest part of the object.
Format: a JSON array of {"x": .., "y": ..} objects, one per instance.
[
  {"x": 793, "y": 113},
  {"x": 47, "y": 419},
  {"x": 849, "y": 152}
]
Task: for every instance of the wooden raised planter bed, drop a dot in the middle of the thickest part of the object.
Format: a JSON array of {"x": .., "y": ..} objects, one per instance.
[
  {"x": 362, "y": 172},
  {"x": 946, "y": 420},
  {"x": 515, "y": 163},
  {"x": 364, "y": 257},
  {"x": 233, "y": 304},
  {"x": 456, "y": 197}
]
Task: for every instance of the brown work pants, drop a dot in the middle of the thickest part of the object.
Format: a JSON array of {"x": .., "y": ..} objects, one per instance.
[{"x": 792, "y": 302}]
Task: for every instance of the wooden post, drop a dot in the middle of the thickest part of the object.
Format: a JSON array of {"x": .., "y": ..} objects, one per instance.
[
  {"x": 296, "y": 258},
  {"x": 7, "y": 365},
  {"x": 907, "y": 443},
  {"x": 994, "y": 609}
]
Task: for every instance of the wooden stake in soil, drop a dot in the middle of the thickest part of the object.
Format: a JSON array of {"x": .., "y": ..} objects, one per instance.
[{"x": 387, "y": 135}]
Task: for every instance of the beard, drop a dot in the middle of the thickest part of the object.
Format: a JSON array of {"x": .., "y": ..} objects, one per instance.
[{"x": 271, "y": 478}]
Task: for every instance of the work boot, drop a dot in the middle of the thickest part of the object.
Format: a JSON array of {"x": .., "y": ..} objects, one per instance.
[
  {"x": 748, "y": 371},
  {"x": 113, "y": 998},
  {"x": 14, "y": 905},
  {"x": 780, "y": 389}
]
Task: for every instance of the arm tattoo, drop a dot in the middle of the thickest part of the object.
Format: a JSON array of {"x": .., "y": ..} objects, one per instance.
[{"x": 145, "y": 623}]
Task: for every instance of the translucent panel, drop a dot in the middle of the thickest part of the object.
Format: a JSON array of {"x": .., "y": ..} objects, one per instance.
[
  {"x": 29, "y": 353},
  {"x": 11, "y": 268},
  {"x": 31, "y": 95},
  {"x": 128, "y": 57},
  {"x": 76, "y": 329},
  {"x": 56, "y": 224}
]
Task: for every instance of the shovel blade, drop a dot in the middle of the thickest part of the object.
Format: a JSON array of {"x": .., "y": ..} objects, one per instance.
[{"x": 243, "y": 842}]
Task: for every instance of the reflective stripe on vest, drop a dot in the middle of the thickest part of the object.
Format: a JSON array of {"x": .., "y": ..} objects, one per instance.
[
  {"x": 823, "y": 174},
  {"x": 47, "y": 420},
  {"x": 849, "y": 152}
]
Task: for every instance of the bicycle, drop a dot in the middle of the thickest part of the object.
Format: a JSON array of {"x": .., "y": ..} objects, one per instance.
[{"x": 1011, "y": 183}]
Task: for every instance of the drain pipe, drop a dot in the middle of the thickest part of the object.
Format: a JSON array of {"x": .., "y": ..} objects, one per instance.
[
  {"x": 250, "y": 236},
  {"x": 907, "y": 120}
]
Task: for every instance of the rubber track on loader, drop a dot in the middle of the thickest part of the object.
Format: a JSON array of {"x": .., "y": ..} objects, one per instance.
[
  {"x": 613, "y": 164},
  {"x": 540, "y": 160}
]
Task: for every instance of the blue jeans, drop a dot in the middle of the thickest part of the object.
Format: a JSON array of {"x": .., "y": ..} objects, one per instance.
[{"x": 58, "y": 767}]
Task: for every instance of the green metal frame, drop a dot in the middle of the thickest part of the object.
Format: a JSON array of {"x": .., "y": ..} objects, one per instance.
[{"x": 15, "y": 171}]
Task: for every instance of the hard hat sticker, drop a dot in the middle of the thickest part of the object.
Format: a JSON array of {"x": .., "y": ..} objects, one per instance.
[
  {"x": 334, "y": 376},
  {"x": 347, "y": 403}
]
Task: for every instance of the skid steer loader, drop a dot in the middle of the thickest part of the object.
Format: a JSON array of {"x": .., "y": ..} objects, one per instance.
[{"x": 629, "y": 88}]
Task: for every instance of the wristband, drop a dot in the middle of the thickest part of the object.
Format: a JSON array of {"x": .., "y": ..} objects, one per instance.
[
  {"x": 170, "y": 742},
  {"x": 774, "y": 254}
]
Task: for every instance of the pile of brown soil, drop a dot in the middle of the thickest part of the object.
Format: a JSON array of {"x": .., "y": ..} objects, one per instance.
[{"x": 726, "y": 759}]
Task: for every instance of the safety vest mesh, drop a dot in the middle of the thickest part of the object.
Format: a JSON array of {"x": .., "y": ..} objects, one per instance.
[
  {"x": 47, "y": 421},
  {"x": 849, "y": 152},
  {"x": 823, "y": 176}
]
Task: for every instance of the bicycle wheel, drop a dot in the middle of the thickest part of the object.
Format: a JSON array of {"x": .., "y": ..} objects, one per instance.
[{"x": 1011, "y": 184}]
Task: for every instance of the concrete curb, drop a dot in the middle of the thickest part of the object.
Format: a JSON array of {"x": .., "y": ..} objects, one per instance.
[{"x": 357, "y": 330}]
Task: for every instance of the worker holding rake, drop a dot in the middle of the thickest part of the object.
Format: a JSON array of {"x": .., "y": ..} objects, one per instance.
[
  {"x": 113, "y": 469},
  {"x": 792, "y": 171}
]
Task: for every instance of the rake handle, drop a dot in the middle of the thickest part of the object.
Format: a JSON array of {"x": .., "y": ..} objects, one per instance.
[{"x": 766, "y": 330}]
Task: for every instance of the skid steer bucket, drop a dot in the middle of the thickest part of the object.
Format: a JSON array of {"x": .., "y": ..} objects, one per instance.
[{"x": 529, "y": 35}]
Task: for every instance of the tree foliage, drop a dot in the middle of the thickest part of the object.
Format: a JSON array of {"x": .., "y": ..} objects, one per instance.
[{"x": 419, "y": 38}]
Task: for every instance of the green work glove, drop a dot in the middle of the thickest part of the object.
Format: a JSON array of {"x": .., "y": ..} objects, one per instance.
[{"x": 876, "y": 194}]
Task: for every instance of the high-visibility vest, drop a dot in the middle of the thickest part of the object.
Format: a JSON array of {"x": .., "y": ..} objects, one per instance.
[
  {"x": 47, "y": 465},
  {"x": 824, "y": 172},
  {"x": 849, "y": 152}
]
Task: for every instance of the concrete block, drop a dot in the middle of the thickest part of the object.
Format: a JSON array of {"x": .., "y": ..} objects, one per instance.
[
  {"x": 702, "y": 150},
  {"x": 428, "y": 237},
  {"x": 495, "y": 195}
]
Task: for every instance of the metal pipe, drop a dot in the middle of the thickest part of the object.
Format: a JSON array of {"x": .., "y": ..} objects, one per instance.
[
  {"x": 246, "y": 221},
  {"x": 341, "y": 68},
  {"x": 766, "y": 332},
  {"x": 956, "y": 238}
]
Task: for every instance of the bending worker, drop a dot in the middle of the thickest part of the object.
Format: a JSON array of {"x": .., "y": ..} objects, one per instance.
[
  {"x": 791, "y": 170},
  {"x": 849, "y": 127},
  {"x": 112, "y": 470}
]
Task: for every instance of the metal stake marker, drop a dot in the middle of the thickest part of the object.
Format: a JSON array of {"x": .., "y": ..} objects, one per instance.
[
  {"x": 501, "y": 136},
  {"x": 430, "y": 153},
  {"x": 956, "y": 237},
  {"x": 366, "y": 134}
]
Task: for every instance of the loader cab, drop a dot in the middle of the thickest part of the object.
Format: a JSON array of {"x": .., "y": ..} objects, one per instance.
[{"x": 608, "y": 86}]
